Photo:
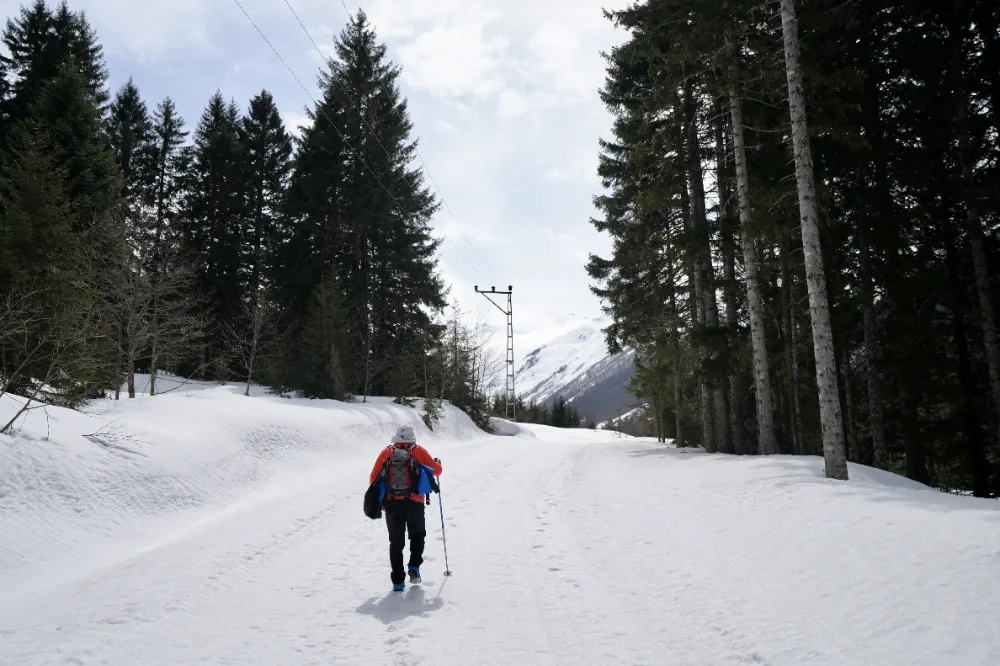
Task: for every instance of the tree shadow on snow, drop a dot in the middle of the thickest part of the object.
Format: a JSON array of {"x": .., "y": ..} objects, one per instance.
[
  {"x": 395, "y": 606},
  {"x": 664, "y": 451},
  {"x": 866, "y": 483}
]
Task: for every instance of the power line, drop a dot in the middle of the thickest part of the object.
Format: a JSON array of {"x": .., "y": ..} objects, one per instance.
[
  {"x": 318, "y": 106},
  {"x": 423, "y": 162}
]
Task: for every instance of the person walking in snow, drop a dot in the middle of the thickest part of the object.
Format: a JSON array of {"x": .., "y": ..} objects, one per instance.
[{"x": 406, "y": 470}]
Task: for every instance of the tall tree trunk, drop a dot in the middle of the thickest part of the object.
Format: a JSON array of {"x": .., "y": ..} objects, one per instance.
[
  {"x": 703, "y": 268},
  {"x": 661, "y": 435},
  {"x": 791, "y": 357},
  {"x": 876, "y": 207},
  {"x": 678, "y": 401},
  {"x": 849, "y": 433},
  {"x": 675, "y": 344},
  {"x": 916, "y": 458},
  {"x": 119, "y": 367},
  {"x": 131, "y": 378},
  {"x": 974, "y": 446},
  {"x": 819, "y": 306},
  {"x": 977, "y": 245},
  {"x": 767, "y": 445},
  {"x": 697, "y": 308},
  {"x": 730, "y": 291},
  {"x": 878, "y": 454}
]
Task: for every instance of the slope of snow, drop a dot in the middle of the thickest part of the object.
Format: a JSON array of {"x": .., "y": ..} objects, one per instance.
[
  {"x": 233, "y": 534},
  {"x": 559, "y": 353},
  {"x": 159, "y": 468}
]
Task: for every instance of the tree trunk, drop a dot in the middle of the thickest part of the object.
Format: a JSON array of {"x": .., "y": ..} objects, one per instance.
[
  {"x": 658, "y": 422},
  {"x": 852, "y": 442},
  {"x": 118, "y": 370},
  {"x": 877, "y": 423},
  {"x": 767, "y": 444},
  {"x": 704, "y": 270},
  {"x": 791, "y": 357},
  {"x": 678, "y": 401},
  {"x": 819, "y": 307},
  {"x": 916, "y": 458},
  {"x": 730, "y": 293},
  {"x": 131, "y": 378},
  {"x": 974, "y": 446},
  {"x": 977, "y": 245},
  {"x": 804, "y": 447},
  {"x": 697, "y": 308},
  {"x": 253, "y": 357}
]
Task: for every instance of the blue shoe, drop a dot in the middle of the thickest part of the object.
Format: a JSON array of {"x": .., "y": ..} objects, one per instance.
[
  {"x": 398, "y": 587},
  {"x": 414, "y": 575}
]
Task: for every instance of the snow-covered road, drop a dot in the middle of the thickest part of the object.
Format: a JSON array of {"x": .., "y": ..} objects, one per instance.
[{"x": 564, "y": 551}]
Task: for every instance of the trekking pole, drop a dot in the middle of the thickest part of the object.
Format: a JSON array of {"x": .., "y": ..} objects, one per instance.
[{"x": 447, "y": 571}]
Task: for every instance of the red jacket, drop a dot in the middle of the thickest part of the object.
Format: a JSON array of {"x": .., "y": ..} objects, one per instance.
[{"x": 418, "y": 452}]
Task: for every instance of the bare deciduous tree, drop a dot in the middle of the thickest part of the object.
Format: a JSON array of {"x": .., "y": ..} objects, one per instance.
[
  {"x": 57, "y": 345},
  {"x": 176, "y": 323},
  {"x": 250, "y": 341}
]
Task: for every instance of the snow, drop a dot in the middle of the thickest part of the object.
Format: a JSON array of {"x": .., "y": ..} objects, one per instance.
[
  {"x": 222, "y": 529},
  {"x": 558, "y": 354}
]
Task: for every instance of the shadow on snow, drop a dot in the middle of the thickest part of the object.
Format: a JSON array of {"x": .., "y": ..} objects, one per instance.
[{"x": 396, "y": 606}]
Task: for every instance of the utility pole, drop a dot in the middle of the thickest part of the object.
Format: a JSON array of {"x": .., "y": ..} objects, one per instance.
[{"x": 509, "y": 393}]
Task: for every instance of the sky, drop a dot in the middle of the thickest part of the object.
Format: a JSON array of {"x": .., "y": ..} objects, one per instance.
[{"x": 503, "y": 95}]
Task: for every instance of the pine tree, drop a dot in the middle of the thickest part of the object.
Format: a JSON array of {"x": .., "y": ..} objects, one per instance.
[
  {"x": 130, "y": 133},
  {"x": 267, "y": 154},
  {"x": 76, "y": 133},
  {"x": 5, "y": 120},
  {"x": 165, "y": 184},
  {"x": 900, "y": 132},
  {"x": 211, "y": 228},
  {"x": 357, "y": 208},
  {"x": 40, "y": 42},
  {"x": 324, "y": 338},
  {"x": 37, "y": 245},
  {"x": 59, "y": 185}
]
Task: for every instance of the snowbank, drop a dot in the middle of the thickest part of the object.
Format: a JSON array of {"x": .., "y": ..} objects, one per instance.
[
  {"x": 505, "y": 428},
  {"x": 83, "y": 490},
  {"x": 551, "y": 434}
]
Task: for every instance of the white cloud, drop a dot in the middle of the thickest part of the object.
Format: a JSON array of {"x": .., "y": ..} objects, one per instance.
[{"x": 294, "y": 121}]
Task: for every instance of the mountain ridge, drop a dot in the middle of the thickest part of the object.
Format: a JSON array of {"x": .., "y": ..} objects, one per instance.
[{"x": 569, "y": 358}]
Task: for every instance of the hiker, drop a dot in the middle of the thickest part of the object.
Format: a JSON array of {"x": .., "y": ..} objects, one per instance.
[{"x": 405, "y": 468}]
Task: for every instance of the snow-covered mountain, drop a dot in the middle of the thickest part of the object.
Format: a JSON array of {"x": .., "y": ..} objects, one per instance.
[{"x": 569, "y": 357}]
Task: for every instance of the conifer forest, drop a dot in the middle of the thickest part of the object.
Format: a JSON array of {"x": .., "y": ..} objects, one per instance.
[
  {"x": 133, "y": 240},
  {"x": 804, "y": 199}
]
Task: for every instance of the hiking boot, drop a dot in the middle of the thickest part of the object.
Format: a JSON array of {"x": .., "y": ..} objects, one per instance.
[
  {"x": 414, "y": 574},
  {"x": 398, "y": 587}
]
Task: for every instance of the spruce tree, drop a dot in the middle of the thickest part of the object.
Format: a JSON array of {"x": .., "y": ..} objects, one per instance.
[
  {"x": 58, "y": 196},
  {"x": 40, "y": 42},
  {"x": 165, "y": 184},
  {"x": 211, "y": 226},
  {"x": 357, "y": 207},
  {"x": 267, "y": 154},
  {"x": 130, "y": 132},
  {"x": 37, "y": 246},
  {"x": 325, "y": 335},
  {"x": 76, "y": 134}
]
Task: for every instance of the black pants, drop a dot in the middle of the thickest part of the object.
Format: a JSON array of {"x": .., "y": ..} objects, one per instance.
[{"x": 402, "y": 516}]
